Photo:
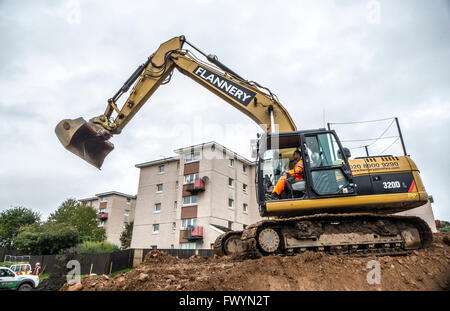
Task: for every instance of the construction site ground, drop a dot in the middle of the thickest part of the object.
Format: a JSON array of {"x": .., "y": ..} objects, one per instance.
[{"x": 425, "y": 269}]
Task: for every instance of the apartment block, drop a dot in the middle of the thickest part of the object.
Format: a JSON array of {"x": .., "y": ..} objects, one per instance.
[
  {"x": 186, "y": 201},
  {"x": 115, "y": 211}
]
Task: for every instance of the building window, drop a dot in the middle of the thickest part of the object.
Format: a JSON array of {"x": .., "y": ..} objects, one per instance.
[
  {"x": 190, "y": 200},
  {"x": 244, "y": 188},
  {"x": 161, "y": 169},
  {"x": 188, "y": 223},
  {"x": 244, "y": 227},
  {"x": 189, "y": 179},
  {"x": 124, "y": 225},
  {"x": 155, "y": 228},
  {"x": 176, "y": 185},
  {"x": 230, "y": 162},
  {"x": 159, "y": 187},
  {"x": 230, "y": 203},
  {"x": 244, "y": 168},
  {"x": 157, "y": 207},
  {"x": 230, "y": 224},
  {"x": 193, "y": 157},
  {"x": 127, "y": 213},
  {"x": 174, "y": 226},
  {"x": 187, "y": 245},
  {"x": 128, "y": 201},
  {"x": 244, "y": 207},
  {"x": 230, "y": 182},
  {"x": 175, "y": 205},
  {"x": 154, "y": 246},
  {"x": 104, "y": 199}
]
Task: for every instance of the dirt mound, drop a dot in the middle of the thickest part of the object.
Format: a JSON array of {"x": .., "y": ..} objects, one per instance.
[
  {"x": 427, "y": 269},
  {"x": 52, "y": 283},
  {"x": 158, "y": 257}
]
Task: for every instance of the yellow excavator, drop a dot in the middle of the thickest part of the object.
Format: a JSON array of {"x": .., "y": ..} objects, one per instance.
[{"x": 341, "y": 205}]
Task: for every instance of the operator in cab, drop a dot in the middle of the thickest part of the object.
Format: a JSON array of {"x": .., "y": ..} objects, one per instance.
[{"x": 297, "y": 173}]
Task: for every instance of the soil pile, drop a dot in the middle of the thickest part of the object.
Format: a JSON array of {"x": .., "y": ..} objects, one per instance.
[
  {"x": 427, "y": 269},
  {"x": 52, "y": 283}
]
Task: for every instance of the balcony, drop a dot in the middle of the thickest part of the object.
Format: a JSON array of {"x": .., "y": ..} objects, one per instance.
[
  {"x": 196, "y": 234},
  {"x": 103, "y": 216},
  {"x": 196, "y": 187}
]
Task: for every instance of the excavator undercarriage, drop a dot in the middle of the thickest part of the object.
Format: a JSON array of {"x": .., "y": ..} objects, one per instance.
[{"x": 351, "y": 234}]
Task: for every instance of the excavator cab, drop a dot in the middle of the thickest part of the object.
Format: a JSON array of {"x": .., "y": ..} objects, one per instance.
[{"x": 326, "y": 172}]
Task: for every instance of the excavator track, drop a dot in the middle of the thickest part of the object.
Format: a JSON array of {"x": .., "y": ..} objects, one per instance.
[
  {"x": 339, "y": 234},
  {"x": 228, "y": 243}
]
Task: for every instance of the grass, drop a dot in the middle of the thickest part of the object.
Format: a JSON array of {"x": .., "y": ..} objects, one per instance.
[
  {"x": 120, "y": 271},
  {"x": 89, "y": 247}
]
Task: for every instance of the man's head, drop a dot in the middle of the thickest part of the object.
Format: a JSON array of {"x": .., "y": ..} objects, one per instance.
[
  {"x": 37, "y": 264},
  {"x": 297, "y": 155}
]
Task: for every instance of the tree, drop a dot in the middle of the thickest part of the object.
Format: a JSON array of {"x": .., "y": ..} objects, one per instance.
[
  {"x": 11, "y": 220},
  {"x": 125, "y": 237},
  {"x": 81, "y": 217},
  {"x": 46, "y": 239}
]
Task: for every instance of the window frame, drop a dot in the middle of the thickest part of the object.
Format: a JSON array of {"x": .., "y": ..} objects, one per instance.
[
  {"x": 232, "y": 182},
  {"x": 232, "y": 203},
  {"x": 157, "y": 188},
  {"x": 191, "y": 180},
  {"x": 195, "y": 157},
  {"x": 155, "y": 226},
  {"x": 192, "y": 223},
  {"x": 190, "y": 204}
]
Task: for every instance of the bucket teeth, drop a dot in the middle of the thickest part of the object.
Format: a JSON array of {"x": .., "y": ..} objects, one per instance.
[{"x": 85, "y": 139}]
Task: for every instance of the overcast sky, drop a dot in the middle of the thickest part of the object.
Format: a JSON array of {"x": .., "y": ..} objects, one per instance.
[{"x": 327, "y": 61}]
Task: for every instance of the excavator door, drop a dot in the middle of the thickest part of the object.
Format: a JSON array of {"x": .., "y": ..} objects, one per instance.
[{"x": 326, "y": 165}]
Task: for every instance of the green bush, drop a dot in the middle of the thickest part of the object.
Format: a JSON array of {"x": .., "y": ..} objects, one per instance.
[
  {"x": 89, "y": 247},
  {"x": 45, "y": 239}
]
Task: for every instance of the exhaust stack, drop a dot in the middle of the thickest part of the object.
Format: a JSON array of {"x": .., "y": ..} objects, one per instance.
[{"x": 85, "y": 139}]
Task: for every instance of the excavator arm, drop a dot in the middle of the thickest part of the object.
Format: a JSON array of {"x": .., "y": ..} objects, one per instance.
[{"x": 90, "y": 140}]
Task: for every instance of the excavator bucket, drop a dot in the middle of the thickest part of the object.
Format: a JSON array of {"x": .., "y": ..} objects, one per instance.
[{"x": 85, "y": 139}]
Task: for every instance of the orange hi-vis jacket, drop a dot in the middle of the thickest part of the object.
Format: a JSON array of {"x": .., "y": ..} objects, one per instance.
[{"x": 297, "y": 172}]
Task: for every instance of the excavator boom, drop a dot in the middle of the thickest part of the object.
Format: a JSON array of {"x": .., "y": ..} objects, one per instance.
[{"x": 89, "y": 140}]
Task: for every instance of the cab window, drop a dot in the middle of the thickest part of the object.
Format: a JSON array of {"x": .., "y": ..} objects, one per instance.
[{"x": 323, "y": 150}]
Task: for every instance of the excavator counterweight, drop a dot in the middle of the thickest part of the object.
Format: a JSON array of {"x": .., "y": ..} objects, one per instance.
[{"x": 85, "y": 139}]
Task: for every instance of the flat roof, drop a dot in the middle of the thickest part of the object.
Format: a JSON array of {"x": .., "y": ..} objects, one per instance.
[
  {"x": 157, "y": 162},
  {"x": 89, "y": 199},
  {"x": 104, "y": 194},
  {"x": 194, "y": 148}
]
